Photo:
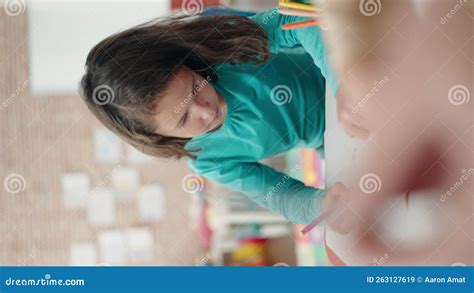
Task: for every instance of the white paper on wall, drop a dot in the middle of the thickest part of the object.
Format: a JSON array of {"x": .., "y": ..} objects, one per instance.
[
  {"x": 76, "y": 188},
  {"x": 140, "y": 244},
  {"x": 112, "y": 247},
  {"x": 101, "y": 207},
  {"x": 108, "y": 146},
  {"x": 151, "y": 203},
  {"x": 125, "y": 181},
  {"x": 86, "y": 26},
  {"x": 83, "y": 254}
]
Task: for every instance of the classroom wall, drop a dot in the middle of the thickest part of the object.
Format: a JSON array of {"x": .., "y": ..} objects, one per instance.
[{"x": 41, "y": 138}]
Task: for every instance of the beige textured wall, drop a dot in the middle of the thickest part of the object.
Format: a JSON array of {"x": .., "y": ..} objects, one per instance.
[{"x": 40, "y": 138}]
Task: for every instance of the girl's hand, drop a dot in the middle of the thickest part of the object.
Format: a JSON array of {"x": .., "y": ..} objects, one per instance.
[{"x": 341, "y": 217}]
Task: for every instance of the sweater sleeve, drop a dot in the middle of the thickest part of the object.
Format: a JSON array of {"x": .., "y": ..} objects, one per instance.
[
  {"x": 266, "y": 186},
  {"x": 309, "y": 38}
]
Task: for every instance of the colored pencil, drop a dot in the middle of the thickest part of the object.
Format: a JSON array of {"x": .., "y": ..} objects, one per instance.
[
  {"x": 300, "y": 6},
  {"x": 300, "y": 24},
  {"x": 296, "y": 12},
  {"x": 317, "y": 221}
]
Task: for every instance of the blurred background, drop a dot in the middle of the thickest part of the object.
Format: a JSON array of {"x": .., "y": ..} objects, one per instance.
[{"x": 74, "y": 194}]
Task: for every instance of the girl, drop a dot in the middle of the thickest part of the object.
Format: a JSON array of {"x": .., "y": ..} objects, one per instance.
[{"x": 219, "y": 91}]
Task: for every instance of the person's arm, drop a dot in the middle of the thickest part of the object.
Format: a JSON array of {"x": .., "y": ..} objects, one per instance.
[
  {"x": 269, "y": 188},
  {"x": 310, "y": 38}
]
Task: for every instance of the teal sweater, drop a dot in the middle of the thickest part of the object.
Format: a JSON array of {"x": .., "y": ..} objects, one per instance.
[{"x": 271, "y": 109}]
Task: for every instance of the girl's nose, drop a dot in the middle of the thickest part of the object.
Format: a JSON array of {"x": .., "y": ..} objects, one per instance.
[
  {"x": 206, "y": 114},
  {"x": 204, "y": 111}
]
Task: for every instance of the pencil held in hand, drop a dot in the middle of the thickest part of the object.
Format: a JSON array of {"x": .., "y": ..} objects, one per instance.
[
  {"x": 331, "y": 202},
  {"x": 300, "y": 24},
  {"x": 295, "y": 12},
  {"x": 317, "y": 221},
  {"x": 300, "y": 6}
]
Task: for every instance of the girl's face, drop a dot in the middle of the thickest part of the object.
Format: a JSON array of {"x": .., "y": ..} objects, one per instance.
[{"x": 189, "y": 106}]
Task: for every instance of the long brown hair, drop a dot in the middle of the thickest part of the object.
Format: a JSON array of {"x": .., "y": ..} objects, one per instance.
[{"x": 127, "y": 71}]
